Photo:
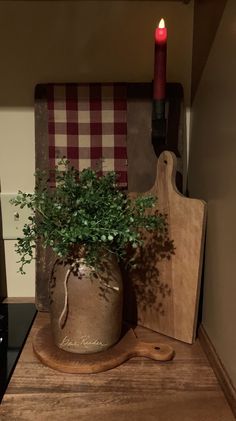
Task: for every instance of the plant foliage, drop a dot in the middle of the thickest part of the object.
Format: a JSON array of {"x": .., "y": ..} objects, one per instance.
[{"x": 82, "y": 211}]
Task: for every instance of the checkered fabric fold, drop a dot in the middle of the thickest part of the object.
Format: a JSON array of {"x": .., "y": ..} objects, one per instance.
[{"x": 87, "y": 124}]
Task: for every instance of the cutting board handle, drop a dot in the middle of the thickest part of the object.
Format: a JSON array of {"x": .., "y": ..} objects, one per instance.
[{"x": 154, "y": 350}]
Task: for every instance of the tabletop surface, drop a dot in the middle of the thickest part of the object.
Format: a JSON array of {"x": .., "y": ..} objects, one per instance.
[{"x": 138, "y": 390}]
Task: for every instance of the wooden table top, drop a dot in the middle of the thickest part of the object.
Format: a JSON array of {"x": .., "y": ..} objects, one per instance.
[{"x": 184, "y": 389}]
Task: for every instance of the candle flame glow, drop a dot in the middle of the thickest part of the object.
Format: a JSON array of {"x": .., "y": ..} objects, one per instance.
[{"x": 161, "y": 23}]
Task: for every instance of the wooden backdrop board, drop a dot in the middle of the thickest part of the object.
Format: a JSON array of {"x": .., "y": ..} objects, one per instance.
[
  {"x": 142, "y": 159},
  {"x": 162, "y": 293}
]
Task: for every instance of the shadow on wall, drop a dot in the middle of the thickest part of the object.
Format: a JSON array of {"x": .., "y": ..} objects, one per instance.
[
  {"x": 206, "y": 22},
  {"x": 144, "y": 286}
]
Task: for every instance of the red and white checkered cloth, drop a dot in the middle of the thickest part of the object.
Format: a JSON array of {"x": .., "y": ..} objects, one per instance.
[{"x": 87, "y": 124}]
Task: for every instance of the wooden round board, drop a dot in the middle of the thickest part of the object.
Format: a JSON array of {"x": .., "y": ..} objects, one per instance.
[{"x": 67, "y": 362}]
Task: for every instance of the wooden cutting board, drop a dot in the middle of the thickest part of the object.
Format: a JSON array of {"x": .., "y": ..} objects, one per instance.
[
  {"x": 162, "y": 293},
  {"x": 128, "y": 347}
]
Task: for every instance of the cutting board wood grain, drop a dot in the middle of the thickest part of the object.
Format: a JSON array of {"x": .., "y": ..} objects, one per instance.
[
  {"x": 129, "y": 346},
  {"x": 162, "y": 293}
]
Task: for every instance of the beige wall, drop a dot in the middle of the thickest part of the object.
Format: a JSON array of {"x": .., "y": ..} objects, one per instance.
[
  {"x": 212, "y": 176},
  {"x": 63, "y": 41},
  {"x": 207, "y": 15}
]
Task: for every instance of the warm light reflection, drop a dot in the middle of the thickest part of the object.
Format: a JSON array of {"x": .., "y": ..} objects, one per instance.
[{"x": 161, "y": 23}]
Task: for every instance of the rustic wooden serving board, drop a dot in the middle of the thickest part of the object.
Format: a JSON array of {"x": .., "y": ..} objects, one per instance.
[
  {"x": 162, "y": 293},
  {"x": 68, "y": 362}
]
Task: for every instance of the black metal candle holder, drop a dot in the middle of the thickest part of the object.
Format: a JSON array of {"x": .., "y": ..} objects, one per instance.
[
  {"x": 166, "y": 120},
  {"x": 159, "y": 124}
]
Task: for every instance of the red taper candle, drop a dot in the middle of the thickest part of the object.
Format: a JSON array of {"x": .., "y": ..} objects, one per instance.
[{"x": 159, "y": 84}]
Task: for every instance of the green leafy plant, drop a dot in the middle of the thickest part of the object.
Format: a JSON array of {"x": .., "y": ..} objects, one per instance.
[{"x": 83, "y": 211}]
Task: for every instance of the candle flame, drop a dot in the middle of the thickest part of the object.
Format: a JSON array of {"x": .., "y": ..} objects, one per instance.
[{"x": 161, "y": 23}]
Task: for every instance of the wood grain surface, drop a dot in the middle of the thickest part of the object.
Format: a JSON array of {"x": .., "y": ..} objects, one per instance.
[
  {"x": 184, "y": 389},
  {"x": 163, "y": 292},
  {"x": 69, "y": 362}
]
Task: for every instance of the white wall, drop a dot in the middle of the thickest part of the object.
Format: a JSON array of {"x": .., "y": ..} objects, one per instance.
[
  {"x": 63, "y": 41},
  {"x": 212, "y": 176}
]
